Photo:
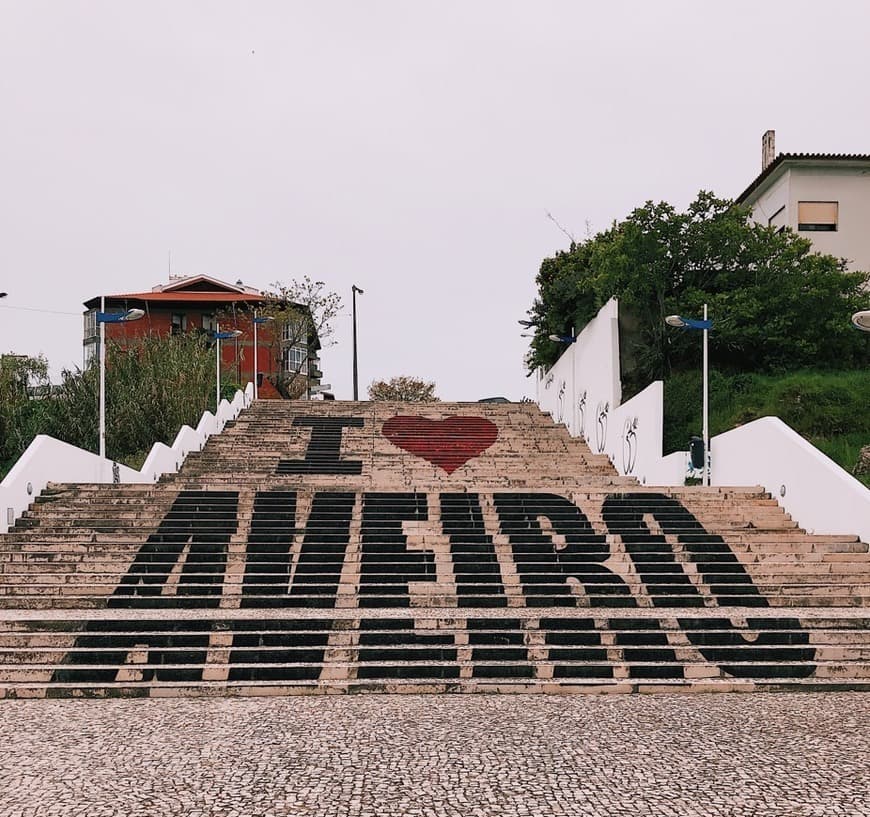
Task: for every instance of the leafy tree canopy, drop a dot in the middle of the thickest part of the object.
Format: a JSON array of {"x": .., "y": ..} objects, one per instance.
[
  {"x": 22, "y": 380},
  {"x": 776, "y": 304},
  {"x": 153, "y": 387},
  {"x": 300, "y": 315},
  {"x": 404, "y": 388}
]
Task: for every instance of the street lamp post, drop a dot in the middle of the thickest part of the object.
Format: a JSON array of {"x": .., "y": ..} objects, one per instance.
[
  {"x": 355, "y": 289},
  {"x": 219, "y": 336},
  {"x": 103, "y": 318},
  {"x": 257, "y": 321},
  {"x": 704, "y": 326}
]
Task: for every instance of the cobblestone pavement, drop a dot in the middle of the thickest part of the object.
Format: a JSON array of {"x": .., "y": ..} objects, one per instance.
[{"x": 426, "y": 756}]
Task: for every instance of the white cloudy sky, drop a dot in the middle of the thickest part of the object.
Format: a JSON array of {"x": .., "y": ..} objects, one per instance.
[{"x": 412, "y": 147}]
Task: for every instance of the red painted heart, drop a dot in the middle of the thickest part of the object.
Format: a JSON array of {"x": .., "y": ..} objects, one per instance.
[{"x": 448, "y": 443}]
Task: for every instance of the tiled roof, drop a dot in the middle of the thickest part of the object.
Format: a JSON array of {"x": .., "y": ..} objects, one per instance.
[
  {"x": 192, "y": 281},
  {"x": 223, "y": 297},
  {"x": 800, "y": 157},
  {"x": 181, "y": 297}
]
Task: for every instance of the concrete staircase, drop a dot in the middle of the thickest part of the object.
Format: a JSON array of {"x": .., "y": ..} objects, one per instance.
[{"x": 339, "y": 547}]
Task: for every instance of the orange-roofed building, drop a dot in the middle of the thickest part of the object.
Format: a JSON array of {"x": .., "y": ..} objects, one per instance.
[{"x": 197, "y": 303}]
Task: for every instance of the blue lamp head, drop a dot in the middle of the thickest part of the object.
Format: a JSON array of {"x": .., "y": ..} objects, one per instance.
[{"x": 687, "y": 323}]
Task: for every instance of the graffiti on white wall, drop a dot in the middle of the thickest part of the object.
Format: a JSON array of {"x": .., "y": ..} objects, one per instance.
[
  {"x": 629, "y": 445},
  {"x": 601, "y": 413},
  {"x": 581, "y": 416}
]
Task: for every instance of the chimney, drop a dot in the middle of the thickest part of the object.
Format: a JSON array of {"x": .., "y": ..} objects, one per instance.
[{"x": 768, "y": 149}]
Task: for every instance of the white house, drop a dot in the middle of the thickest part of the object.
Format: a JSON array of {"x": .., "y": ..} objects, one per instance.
[{"x": 824, "y": 197}]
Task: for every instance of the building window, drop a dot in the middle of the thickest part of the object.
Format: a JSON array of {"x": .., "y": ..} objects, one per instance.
[
  {"x": 92, "y": 352},
  {"x": 91, "y": 330},
  {"x": 294, "y": 331},
  {"x": 179, "y": 323},
  {"x": 209, "y": 324},
  {"x": 295, "y": 358},
  {"x": 818, "y": 216}
]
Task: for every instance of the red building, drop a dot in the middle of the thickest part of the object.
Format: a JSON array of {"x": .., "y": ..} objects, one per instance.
[{"x": 198, "y": 303}]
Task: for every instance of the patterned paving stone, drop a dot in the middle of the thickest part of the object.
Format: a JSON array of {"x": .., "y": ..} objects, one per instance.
[{"x": 794, "y": 755}]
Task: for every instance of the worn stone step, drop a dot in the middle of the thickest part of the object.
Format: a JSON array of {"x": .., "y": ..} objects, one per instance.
[{"x": 287, "y": 688}]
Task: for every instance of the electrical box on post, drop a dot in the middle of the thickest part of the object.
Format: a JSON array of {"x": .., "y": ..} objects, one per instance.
[{"x": 696, "y": 452}]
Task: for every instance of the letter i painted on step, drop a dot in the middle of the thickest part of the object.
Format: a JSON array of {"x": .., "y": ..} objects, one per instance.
[{"x": 323, "y": 455}]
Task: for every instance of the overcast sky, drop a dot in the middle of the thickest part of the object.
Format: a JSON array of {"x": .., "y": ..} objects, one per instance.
[{"x": 412, "y": 147}]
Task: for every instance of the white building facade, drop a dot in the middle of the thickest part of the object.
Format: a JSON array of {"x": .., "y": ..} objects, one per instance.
[{"x": 822, "y": 197}]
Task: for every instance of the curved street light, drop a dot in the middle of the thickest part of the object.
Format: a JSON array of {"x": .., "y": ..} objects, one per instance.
[
  {"x": 103, "y": 318},
  {"x": 704, "y": 326},
  {"x": 861, "y": 320}
]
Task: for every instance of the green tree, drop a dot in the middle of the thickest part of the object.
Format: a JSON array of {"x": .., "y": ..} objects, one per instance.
[
  {"x": 153, "y": 387},
  {"x": 24, "y": 389},
  {"x": 404, "y": 388},
  {"x": 300, "y": 316},
  {"x": 777, "y": 305}
]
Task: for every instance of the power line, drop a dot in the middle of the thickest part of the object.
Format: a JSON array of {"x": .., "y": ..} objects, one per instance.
[{"x": 45, "y": 311}]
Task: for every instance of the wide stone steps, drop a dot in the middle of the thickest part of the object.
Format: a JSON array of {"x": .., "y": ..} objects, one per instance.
[
  {"x": 362, "y": 580},
  {"x": 339, "y": 547},
  {"x": 527, "y": 438},
  {"x": 224, "y": 653},
  {"x": 96, "y": 566},
  {"x": 75, "y": 521},
  {"x": 63, "y": 597}
]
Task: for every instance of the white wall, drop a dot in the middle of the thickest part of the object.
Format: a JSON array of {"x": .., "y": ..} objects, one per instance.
[
  {"x": 49, "y": 460},
  {"x": 769, "y": 203},
  {"x": 582, "y": 391},
  {"x": 634, "y": 440},
  {"x": 850, "y": 188},
  {"x": 584, "y": 382},
  {"x": 814, "y": 490}
]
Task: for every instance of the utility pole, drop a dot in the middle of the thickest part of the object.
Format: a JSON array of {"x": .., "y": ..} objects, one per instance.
[{"x": 355, "y": 289}]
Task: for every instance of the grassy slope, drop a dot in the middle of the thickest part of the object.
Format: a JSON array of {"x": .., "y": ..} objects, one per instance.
[{"x": 830, "y": 409}]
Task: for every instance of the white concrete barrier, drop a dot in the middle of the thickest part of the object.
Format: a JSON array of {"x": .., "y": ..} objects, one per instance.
[
  {"x": 816, "y": 492},
  {"x": 582, "y": 391},
  {"x": 49, "y": 460}
]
